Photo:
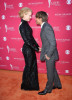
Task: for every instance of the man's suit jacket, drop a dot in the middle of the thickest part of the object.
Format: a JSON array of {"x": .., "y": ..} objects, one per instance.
[{"x": 48, "y": 43}]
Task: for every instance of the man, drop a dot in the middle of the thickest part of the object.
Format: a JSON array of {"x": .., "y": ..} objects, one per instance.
[{"x": 49, "y": 53}]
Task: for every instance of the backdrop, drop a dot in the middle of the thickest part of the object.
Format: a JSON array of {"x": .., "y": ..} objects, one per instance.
[{"x": 59, "y": 13}]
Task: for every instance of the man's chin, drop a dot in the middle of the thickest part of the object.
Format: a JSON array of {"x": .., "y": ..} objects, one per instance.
[{"x": 37, "y": 23}]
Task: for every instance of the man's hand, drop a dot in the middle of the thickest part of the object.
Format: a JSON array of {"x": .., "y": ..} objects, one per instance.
[
  {"x": 47, "y": 57},
  {"x": 39, "y": 49}
]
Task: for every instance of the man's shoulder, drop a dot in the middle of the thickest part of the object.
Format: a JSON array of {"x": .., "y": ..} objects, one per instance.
[{"x": 47, "y": 25}]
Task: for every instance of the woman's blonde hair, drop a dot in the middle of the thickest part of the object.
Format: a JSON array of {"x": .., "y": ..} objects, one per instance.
[{"x": 24, "y": 10}]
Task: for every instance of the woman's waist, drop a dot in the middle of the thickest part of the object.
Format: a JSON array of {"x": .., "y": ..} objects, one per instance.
[{"x": 26, "y": 45}]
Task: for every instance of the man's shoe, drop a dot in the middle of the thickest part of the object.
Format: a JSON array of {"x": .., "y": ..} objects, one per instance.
[
  {"x": 56, "y": 87},
  {"x": 43, "y": 92}
]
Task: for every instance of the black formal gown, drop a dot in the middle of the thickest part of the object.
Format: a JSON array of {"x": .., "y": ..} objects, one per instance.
[{"x": 30, "y": 73}]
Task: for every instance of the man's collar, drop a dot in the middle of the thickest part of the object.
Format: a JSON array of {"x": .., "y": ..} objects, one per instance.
[{"x": 42, "y": 24}]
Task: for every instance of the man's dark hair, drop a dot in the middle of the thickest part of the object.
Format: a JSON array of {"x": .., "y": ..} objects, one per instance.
[{"x": 43, "y": 15}]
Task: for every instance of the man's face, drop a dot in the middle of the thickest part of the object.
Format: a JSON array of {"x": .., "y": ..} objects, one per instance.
[{"x": 38, "y": 21}]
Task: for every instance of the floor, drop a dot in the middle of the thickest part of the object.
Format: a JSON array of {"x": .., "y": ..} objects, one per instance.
[{"x": 10, "y": 82}]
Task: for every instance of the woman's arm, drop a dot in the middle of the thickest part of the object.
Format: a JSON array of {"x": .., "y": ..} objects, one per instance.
[{"x": 26, "y": 40}]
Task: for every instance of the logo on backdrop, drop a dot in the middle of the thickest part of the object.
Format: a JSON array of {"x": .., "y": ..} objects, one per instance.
[
  {"x": 7, "y": 58},
  {"x": 62, "y": 14},
  {"x": 20, "y": 4},
  {"x": 63, "y": 40},
  {"x": 9, "y": 28},
  {"x": 63, "y": 62},
  {"x": 6, "y": 27},
  {"x": 35, "y": 3},
  {"x": 49, "y": 2},
  {"x": 66, "y": 71},
  {"x": 21, "y": 49},
  {"x": 68, "y": 2},
  {"x": 16, "y": 38},
  {"x": 67, "y": 52},
  {"x": 19, "y": 58},
  {"x": 10, "y": 49},
  {"x": 5, "y": 5},
  {"x": 14, "y": 16},
  {"x": 4, "y": 39},
  {"x": 68, "y": 27},
  {"x": 8, "y": 6},
  {"x": 54, "y": 3},
  {"x": 3, "y": 17},
  {"x": 11, "y": 66},
  {"x": 56, "y": 28},
  {"x": 14, "y": 67}
]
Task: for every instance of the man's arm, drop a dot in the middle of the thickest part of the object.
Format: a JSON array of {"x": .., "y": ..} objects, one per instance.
[{"x": 49, "y": 33}]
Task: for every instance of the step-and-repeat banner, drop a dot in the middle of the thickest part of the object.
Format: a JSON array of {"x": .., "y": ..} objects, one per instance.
[{"x": 60, "y": 17}]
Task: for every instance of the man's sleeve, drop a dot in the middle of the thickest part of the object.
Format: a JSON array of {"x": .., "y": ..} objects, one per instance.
[{"x": 49, "y": 33}]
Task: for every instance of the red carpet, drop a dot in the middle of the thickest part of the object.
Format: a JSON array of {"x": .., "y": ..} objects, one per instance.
[{"x": 10, "y": 82}]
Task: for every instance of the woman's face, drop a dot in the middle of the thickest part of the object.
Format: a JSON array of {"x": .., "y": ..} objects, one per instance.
[{"x": 27, "y": 16}]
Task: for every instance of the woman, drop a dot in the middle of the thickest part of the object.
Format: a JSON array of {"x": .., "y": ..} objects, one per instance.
[{"x": 30, "y": 73}]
